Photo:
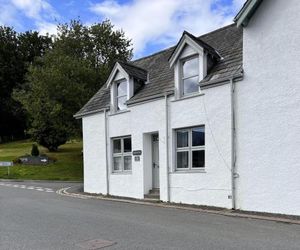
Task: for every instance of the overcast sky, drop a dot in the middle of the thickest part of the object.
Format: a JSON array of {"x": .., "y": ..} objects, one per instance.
[{"x": 151, "y": 24}]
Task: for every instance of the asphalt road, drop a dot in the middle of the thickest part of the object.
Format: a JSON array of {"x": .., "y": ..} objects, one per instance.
[{"x": 33, "y": 216}]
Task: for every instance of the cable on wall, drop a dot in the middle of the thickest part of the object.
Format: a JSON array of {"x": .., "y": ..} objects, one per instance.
[{"x": 212, "y": 135}]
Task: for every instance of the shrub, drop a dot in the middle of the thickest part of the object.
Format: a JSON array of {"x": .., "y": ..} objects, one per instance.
[{"x": 34, "y": 150}]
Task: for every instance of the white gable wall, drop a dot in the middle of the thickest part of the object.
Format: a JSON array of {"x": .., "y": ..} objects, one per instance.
[
  {"x": 94, "y": 154},
  {"x": 268, "y": 106}
]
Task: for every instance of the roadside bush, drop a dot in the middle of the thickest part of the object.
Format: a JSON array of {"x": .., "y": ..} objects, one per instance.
[{"x": 34, "y": 150}]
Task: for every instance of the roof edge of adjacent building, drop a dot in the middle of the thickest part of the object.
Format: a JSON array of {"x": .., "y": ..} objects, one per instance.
[{"x": 246, "y": 12}]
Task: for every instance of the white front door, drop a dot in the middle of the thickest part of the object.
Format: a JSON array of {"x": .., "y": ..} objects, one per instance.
[{"x": 155, "y": 161}]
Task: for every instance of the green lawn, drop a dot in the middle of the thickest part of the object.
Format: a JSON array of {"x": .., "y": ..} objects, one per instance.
[{"x": 67, "y": 167}]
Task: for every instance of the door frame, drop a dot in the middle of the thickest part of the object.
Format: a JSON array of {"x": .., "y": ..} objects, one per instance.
[{"x": 155, "y": 168}]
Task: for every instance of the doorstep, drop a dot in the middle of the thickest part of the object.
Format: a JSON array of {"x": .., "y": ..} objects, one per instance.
[{"x": 77, "y": 192}]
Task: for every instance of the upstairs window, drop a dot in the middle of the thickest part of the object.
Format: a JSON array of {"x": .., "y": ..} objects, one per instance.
[
  {"x": 121, "y": 95},
  {"x": 190, "y": 148},
  {"x": 190, "y": 76}
]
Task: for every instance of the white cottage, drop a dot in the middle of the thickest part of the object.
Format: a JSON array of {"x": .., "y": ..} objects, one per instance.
[{"x": 213, "y": 121}]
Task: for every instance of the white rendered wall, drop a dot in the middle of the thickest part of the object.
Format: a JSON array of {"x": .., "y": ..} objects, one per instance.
[
  {"x": 94, "y": 159},
  {"x": 268, "y": 111},
  {"x": 213, "y": 186}
]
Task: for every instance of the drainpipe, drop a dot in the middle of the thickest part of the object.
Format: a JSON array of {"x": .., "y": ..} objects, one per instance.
[
  {"x": 234, "y": 175},
  {"x": 106, "y": 150},
  {"x": 167, "y": 145}
]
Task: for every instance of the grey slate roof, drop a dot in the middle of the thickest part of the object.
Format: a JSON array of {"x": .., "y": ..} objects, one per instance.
[
  {"x": 134, "y": 71},
  {"x": 204, "y": 45},
  {"x": 227, "y": 41}
]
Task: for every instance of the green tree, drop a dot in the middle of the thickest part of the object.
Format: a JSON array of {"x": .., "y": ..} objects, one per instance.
[
  {"x": 99, "y": 45},
  {"x": 61, "y": 81},
  {"x": 17, "y": 51},
  {"x": 10, "y": 75}
]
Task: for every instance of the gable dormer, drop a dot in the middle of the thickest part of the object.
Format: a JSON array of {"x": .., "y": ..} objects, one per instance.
[
  {"x": 124, "y": 81},
  {"x": 192, "y": 58}
]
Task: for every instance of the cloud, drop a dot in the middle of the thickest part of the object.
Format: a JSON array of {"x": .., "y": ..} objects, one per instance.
[
  {"x": 7, "y": 14},
  {"x": 161, "y": 22},
  {"x": 40, "y": 12},
  {"x": 34, "y": 8},
  {"x": 46, "y": 28}
]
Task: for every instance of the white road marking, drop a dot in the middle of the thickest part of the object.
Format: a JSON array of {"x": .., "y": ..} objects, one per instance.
[{"x": 40, "y": 189}]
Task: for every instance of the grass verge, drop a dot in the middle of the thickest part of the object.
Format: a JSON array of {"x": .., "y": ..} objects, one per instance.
[{"x": 69, "y": 164}]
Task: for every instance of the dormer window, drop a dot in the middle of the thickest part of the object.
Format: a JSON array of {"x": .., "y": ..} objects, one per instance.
[
  {"x": 190, "y": 75},
  {"x": 121, "y": 95},
  {"x": 192, "y": 58},
  {"x": 124, "y": 81}
]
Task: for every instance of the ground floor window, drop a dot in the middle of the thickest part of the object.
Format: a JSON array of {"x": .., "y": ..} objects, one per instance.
[
  {"x": 190, "y": 148},
  {"x": 122, "y": 156}
]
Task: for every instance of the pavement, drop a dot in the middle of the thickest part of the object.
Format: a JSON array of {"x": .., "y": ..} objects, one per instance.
[
  {"x": 76, "y": 191},
  {"x": 34, "y": 216}
]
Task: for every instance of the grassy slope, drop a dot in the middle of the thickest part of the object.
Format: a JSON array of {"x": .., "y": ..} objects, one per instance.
[{"x": 68, "y": 166}]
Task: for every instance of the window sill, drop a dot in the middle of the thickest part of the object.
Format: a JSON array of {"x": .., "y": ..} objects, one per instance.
[
  {"x": 121, "y": 173},
  {"x": 188, "y": 97},
  {"x": 119, "y": 112},
  {"x": 193, "y": 171}
]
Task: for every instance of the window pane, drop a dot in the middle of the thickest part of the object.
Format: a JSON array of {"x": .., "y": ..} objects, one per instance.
[
  {"x": 198, "y": 135},
  {"x": 183, "y": 159},
  {"x": 121, "y": 102},
  {"x": 190, "y": 85},
  {"x": 182, "y": 139},
  {"x": 127, "y": 162},
  {"x": 198, "y": 159},
  {"x": 190, "y": 67},
  {"x": 117, "y": 163},
  {"x": 117, "y": 146},
  {"x": 127, "y": 145},
  {"x": 122, "y": 88}
]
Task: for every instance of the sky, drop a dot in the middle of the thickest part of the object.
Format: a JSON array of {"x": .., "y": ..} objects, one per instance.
[{"x": 152, "y": 25}]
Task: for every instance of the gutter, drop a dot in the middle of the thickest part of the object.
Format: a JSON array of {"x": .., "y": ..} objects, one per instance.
[
  {"x": 148, "y": 98},
  {"x": 81, "y": 115}
]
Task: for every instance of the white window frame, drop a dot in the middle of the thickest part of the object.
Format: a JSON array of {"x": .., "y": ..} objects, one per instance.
[
  {"x": 182, "y": 78},
  {"x": 117, "y": 96},
  {"x": 189, "y": 149},
  {"x": 122, "y": 154}
]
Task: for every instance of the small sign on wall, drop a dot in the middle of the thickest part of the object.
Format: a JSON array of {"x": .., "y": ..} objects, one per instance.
[
  {"x": 137, "y": 158},
  {"x": 137, "y": 152}
]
